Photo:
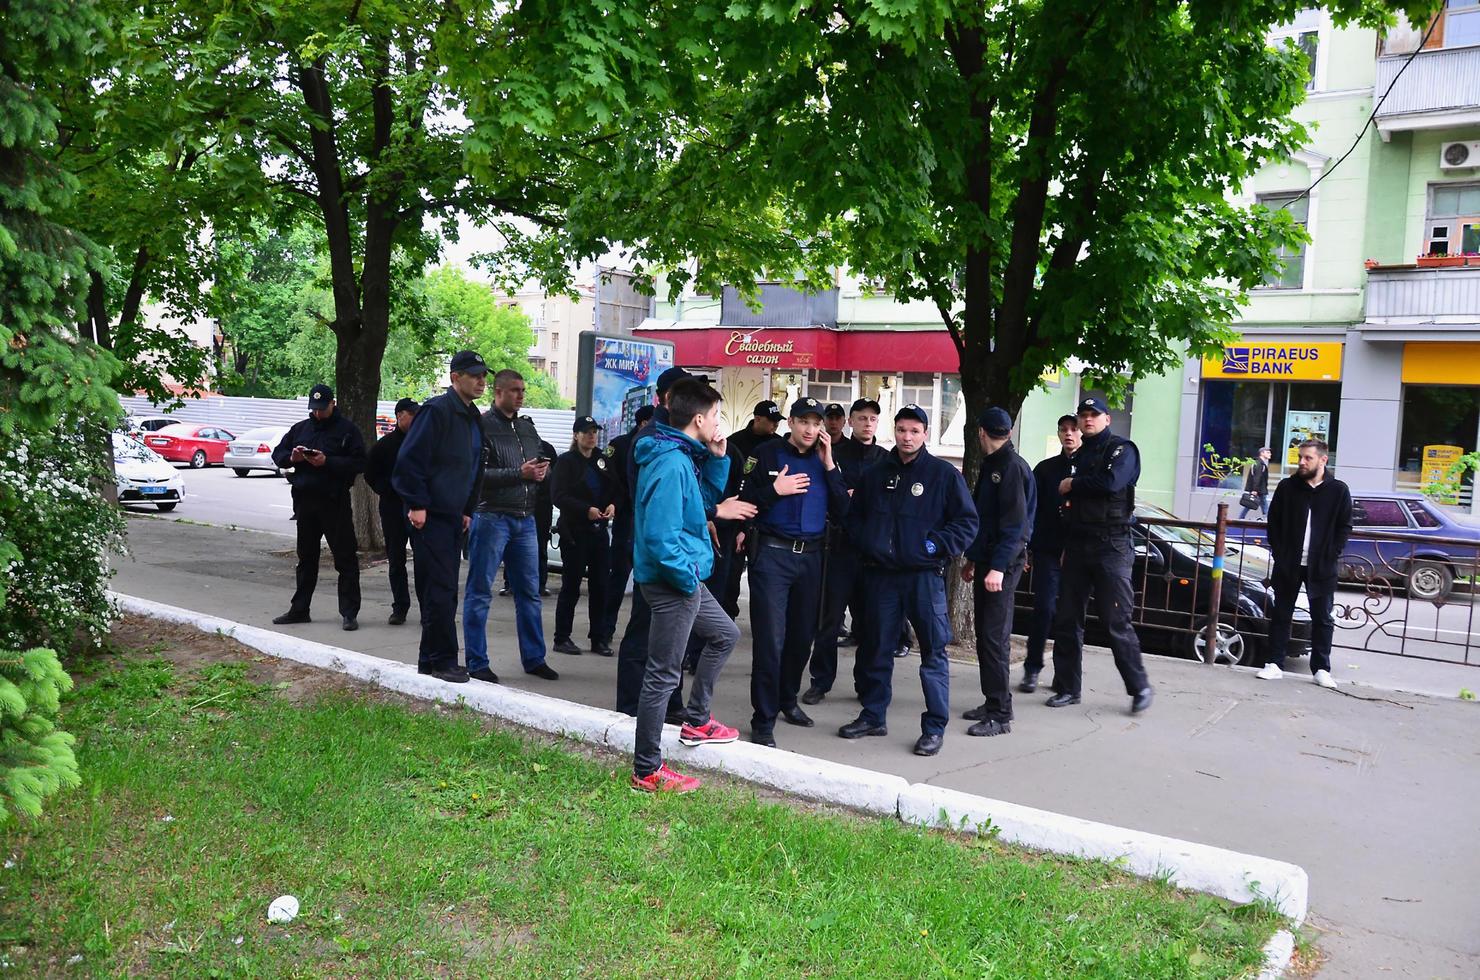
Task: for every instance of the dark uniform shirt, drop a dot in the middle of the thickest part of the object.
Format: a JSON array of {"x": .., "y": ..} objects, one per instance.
[
  {"x": 440, "y": 465},
  {"x": 853, "y": 457},
  {"x": 909, "y": 516},
  {"x": 802, "y": 515},
  {"x": 382, "y": 463},
  {"x": 747, "y": 440},
  {"x": 1005, "y": 501},
  {"x": 1048, "y": 518},
  {"x": 343, "y": 447},
  {"x": 1103, "y": 495},
  {"x": 578, "y": 483}
]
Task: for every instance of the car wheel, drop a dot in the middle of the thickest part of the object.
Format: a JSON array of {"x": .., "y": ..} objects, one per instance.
[
  {"x": 168, "y": 507},
  {"x": 1429, "y": 580},
  {"x": 198, "y": 461},
  {"x": 1228, "y": 650},
  {"x": 239, "y": 471}
]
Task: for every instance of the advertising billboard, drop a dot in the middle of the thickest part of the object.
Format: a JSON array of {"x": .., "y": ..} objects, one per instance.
[{"x": 619, "y": 375}]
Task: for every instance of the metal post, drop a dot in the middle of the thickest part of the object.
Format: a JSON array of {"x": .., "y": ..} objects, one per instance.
[{"x": 1215, "y": 600}]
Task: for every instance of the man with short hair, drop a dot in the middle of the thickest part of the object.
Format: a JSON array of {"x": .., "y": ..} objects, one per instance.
[
  {"x": 437, "y": 474},
  {"x": 1310, "y": 521},
  {"x": 761, "y": 427},
  {"x": 1099, "y": 504},
  {"x": 393, "y": 526},
  {"x": 680, "y": 479},
  {"x": 842, "y": 580},
  {"x": 1005, "y": 499},
  {"x": 910, "y": 515},
  {"x": 797, "y": 489},
  {"x": 1257, "y": 483},
  {"x": 1046, "y": 547},
  {"x": 834, "y": 421},
  {"x": 321, "y": 456},
  {"x": 504, "y": 531}
]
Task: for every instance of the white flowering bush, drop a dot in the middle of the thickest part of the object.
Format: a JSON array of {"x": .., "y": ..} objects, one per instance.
[{"x": 57, "y": 536}]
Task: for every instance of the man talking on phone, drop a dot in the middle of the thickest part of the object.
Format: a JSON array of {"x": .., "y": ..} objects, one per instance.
[{"x": 321, "y": 456}]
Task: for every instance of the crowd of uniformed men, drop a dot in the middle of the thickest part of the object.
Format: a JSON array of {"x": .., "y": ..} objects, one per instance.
[{"x": 828, "y": 525}]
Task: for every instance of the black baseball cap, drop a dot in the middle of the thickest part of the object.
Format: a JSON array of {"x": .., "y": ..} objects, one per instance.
[
  {"x": 319, "y": 396},
  {"x": 867, "y": 403},
  {"x": 805, "y": 406},
  {"x": 1094, "y": 406},
  {"x": 996, "y": 421},
  {"x": 834, "y": 410},
  {"x": 914, "y": 413},
  {"x": 768, "y": 409},
  {"x": 468, "y": 362},
  {"x": 407, "y": 405},
  {"x": 644, "y": 414},
  {"x": 583, "y": 423},
  {"x": 673, "y": 375}
]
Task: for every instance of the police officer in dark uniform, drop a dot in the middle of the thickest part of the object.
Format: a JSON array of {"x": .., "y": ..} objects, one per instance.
[
  {"x": 1046, "y": 549},
  {"x": 581, "y": 486},
  {"x": 321, "y": 456},
  {"x": 842, "y": 581},
  {"x": 910, "y": 515},
  {"x": 1099, "y": 505},
  {"x": 796, "y": 487},
  {"x": 1005, "y": 498},
  {"x": 439, "y": 474},
  {"x": 618, "y": 451},
  {"x": 393, "y": 526},
  {"x": 762, "y": 427}
]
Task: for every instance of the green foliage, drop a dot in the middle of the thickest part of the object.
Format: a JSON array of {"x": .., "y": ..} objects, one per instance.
[
  {"x": 36, "y": 759},
  {"x": 1221, "y": 469}
]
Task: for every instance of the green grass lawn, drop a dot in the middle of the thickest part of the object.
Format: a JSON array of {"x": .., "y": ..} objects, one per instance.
[{"x": 422, "y": 841}]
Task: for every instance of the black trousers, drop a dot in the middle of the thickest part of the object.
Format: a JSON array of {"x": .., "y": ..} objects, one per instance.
[
  {"x": 785, "y": 590},
  {"x": 1322, "y": 595},
  {"x": 326, "y": 518},
  {"x": 1098, "y": 563},
  {"x": 632, "y": 658},
  {"x": 993, "y": 617},
  {"x": 585, "y": 553},
  {"x": 618, "y": 575},
  {"x": 397, "y": 532},
  {"x": 841, "y": 591},
  {"x": 1047, "y": 567},
  {"x": 436, "y": 548}
]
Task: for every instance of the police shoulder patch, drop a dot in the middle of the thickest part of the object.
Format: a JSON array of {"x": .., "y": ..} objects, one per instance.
[
  {"x": 610, "y": 450},
  {"x": 1118, "y": 450},
  {"x": 749, "y": 463},
  {"x": 996, "y": 477}
]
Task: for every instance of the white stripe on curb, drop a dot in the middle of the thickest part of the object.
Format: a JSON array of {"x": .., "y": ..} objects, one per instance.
[
  {"x": 1228, "y": 874},
  {"x": 1278, "y": 953}
]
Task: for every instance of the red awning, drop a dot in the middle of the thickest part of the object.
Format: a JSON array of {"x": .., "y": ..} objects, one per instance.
[{"x": 814, "y": 348}]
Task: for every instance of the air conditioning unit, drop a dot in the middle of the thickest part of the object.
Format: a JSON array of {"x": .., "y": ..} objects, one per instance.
[{"x": 1459, "y": 156}]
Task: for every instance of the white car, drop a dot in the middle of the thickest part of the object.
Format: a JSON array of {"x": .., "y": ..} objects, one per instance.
[
  {"x": 138, "y": 424},
  {"x": 252, "y": 450},
  {"x": 143, "y": 476}
]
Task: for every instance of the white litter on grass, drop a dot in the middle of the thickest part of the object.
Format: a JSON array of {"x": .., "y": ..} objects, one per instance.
[
  {"x": 167, "y": 818},
  {"x": 284, "y": 908},
  {"x": 9, "y": 863},
  {"x": 73, "y": 961},
  {"x": 237, "y": 941}
]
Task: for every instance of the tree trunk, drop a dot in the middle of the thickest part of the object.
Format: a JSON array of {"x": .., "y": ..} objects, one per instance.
[{"x": 356, "y": 388}]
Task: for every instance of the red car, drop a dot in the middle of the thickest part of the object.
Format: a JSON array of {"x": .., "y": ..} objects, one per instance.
[{"x": 187, "y": 442}]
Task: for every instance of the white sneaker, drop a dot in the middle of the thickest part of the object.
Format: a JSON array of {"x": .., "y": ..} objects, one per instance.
[
  {"x": 1324, "y": 678},
  {"x": 1270, "y": 672}
]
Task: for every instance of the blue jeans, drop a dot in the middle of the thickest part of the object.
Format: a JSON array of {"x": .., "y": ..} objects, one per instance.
[{"x": 496, "y": 538}]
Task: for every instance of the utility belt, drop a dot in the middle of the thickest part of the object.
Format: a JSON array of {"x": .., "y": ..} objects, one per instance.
[{"x": 797, "y": 546}]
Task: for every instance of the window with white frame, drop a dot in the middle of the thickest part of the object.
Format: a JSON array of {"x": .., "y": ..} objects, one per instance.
[
  {"x": 1291, "y": 273},
  {"x": 1453, "y": 225},
  {"x": 1304, "y": 32},
  {"x": 918, "y": 388},
  {"x": 831, "y": 386}
]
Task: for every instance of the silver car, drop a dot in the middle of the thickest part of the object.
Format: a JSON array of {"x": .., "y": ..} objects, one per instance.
[{"x": 252, "y": 450}]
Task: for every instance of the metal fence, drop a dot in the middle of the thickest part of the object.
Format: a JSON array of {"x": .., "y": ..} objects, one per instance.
[{"x": 1409, "y": 595}]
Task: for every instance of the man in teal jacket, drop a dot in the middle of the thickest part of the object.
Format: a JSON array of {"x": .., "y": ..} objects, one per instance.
[{"x": 681, "y": 473}]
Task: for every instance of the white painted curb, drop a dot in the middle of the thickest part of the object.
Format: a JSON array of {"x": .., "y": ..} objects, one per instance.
[
  {"x": 1278, "y": 953},
  {"x": 1216, "y": 871}
]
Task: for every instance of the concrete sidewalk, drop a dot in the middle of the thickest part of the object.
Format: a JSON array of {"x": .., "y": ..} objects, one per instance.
[{"x": 1375, "y": 798}]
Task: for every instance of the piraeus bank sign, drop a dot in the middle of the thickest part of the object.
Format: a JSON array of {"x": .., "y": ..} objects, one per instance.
[{"x": 1274, "y": 361}]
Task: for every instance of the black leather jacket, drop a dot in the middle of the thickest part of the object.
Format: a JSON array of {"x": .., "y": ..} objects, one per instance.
[{"x": 507, "y": 445}]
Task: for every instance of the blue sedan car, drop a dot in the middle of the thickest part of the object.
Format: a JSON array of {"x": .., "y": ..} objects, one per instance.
[{"x": 1437, "y": 550}]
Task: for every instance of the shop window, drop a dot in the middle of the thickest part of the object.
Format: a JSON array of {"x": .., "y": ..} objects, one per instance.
[
  {"x": 952, "y": 426},
  {"x": 786, "y": 387},
  {"x": 919, "y": 389},
  {"x": 1453, "y": 223},
  {"x": 1443, "y": 418},
  {"x": 1238, "y": 417},
  {"x": 1420, "y": 516},
  {"x": 1378, "y": 512},
  {"x": 831, "y": 386},
  {"x": 1291, "y": 273}
]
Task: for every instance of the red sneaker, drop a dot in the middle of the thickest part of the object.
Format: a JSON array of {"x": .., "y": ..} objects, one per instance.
[
  {"x": 664, "y": 780},
  {"x": 711, "y": 732}
]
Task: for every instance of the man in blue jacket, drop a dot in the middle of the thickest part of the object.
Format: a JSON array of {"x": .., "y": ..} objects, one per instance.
[
  {"x": 1005, "y": 499},
  {"x": 438, "y": 473},
  {"x": 910, "y": 515},
  {"x": 681, "y": 472},
  {"x": 797, "y": 489}
]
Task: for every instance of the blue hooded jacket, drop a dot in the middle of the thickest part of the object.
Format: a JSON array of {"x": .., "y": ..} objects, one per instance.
[{"x": 678, "y": 482}]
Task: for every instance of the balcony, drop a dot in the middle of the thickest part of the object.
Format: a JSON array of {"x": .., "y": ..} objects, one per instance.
[
  {"x": 1409, "y": 303},
  {"x": 781, "y": 306},
  {"x": 1439, "y": 90}
]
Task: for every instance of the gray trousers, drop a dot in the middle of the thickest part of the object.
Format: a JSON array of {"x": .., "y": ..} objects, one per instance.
[{"x": 675, "y": 616}]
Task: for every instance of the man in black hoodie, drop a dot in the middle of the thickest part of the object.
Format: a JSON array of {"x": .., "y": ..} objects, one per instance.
[
  {"x": 321, "y": 456},
  {"x": 1310, "y": 520},
  {"x": 393, "y": 524}
]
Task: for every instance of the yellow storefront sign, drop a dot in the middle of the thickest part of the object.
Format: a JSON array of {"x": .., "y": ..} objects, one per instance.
[
  {"x": 1441, "y": 364},
  {"x": 1436, "y": 463},
  {"x": 1265, "y": 360}
]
